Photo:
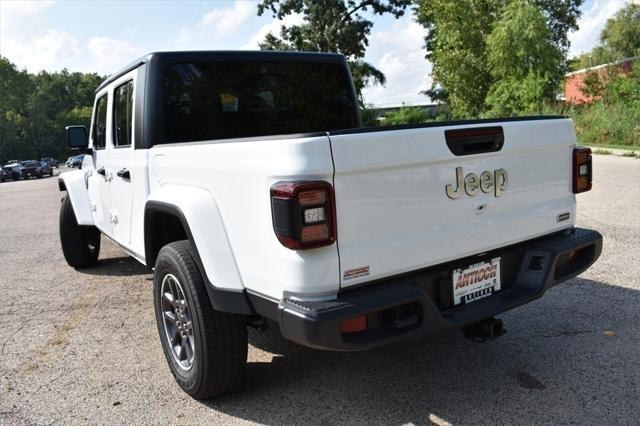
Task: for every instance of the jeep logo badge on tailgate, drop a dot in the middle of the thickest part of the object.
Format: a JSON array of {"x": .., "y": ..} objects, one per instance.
[{"x": 495, "y": 182}]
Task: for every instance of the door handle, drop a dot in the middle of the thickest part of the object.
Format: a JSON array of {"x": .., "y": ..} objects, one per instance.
[
  {"x": 101, "y": 171},
  {"x": 124, "y": 174}
]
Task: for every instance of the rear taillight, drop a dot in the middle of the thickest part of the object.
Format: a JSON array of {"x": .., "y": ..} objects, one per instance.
[
  {"x": 581, "y": 170},
  {"x": 303, "y": 214}
]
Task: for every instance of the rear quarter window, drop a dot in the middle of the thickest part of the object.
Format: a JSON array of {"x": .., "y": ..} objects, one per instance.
[
  {"x": 99, "y": 130},
  {"x": 210, "y": 100}
]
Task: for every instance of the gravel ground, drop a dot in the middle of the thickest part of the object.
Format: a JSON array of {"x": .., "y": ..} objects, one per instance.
[{"x": 82, "y": 346}]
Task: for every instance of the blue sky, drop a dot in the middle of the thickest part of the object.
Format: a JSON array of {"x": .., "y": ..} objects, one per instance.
[{"x": 101, "y": 36}]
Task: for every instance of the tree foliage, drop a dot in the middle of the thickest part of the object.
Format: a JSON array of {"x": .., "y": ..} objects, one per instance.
[
  {"x": 593, "y": 84},
  {"x": 457, "y": 43},
  {"x": 332, "y": 26},
  {"x": 524, "y": 61},
  {"x": 621, "y": 34},
  {"x": 619, "y": 39},
  {"x": 35, "y": 108},
  {"x": 407, "y": 115}
]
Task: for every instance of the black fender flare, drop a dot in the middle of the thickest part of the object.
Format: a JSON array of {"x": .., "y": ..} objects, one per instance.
[{"x": 223, "y": 300}]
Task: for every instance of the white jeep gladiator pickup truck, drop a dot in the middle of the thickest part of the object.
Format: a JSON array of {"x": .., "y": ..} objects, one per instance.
[{"x": 247, "y": 183}]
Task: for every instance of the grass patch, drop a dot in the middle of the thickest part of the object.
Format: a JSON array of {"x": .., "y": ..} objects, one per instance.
[
  {"x": 602, "y": 152},
  {"x": 631, "y": 148},
  {"x": 632, "y": 154}
]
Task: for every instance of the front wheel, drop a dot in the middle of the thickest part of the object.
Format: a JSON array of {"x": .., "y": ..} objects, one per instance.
[
  {"x": 206, "y": 349},
  {"x": 80, "y": 244}
]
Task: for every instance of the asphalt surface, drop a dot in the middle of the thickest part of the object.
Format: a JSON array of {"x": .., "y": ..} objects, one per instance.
[{"x": 82, "y": 346}]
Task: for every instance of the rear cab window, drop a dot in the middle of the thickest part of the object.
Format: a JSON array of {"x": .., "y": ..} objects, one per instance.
[{"x": 220, "y": 100}]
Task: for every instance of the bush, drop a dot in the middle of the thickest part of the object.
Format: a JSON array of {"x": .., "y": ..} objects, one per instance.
[
  {"x": 406, "y": 115},
  {"x": 613, "y": 124},
  {"x": 368, "y": 116},
  {"x": 615, "y": 118}
]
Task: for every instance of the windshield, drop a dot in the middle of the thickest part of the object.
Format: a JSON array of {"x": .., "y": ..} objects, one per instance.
[{"x": 219, "y": 100}]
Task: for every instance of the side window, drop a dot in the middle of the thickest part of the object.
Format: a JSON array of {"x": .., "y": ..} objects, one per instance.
[
  {"x": 100, "y": 124},
  {"x": 123, "y": 114}
]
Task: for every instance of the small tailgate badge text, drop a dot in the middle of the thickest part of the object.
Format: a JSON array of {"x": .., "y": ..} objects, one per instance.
[{"x": 350, "y": 274}]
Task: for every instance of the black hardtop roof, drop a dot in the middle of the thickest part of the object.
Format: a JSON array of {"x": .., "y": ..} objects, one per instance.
[{"x": 225, "y": 55}]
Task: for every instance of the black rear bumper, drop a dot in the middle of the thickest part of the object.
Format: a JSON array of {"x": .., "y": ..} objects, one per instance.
[{"x": 421, "y": 302}]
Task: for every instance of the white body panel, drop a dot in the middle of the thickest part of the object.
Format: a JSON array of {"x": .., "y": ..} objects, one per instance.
[
  {"x": 114, "y": 208},
  {"x": 394, "y": 215},
  {"x": 201, "y": 212},
  {"x": 238, "y": 177}
]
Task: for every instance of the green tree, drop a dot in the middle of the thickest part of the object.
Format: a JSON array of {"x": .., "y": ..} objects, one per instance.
[
  {"x": 524, "y": 61},
  {"x": 621, "y": 34},
  {"x": 15, "y": 88},
  {"x": 619, "y": 39},
  {"x": 456, "y": 43},
  {"x": 35, "y": 108},
  {"x": 456, "y": 46},
  {"x": 332, "y": 26}
]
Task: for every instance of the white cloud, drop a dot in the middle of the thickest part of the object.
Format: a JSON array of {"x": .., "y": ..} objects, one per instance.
[
  {"x": 17, "y": 14},
  {"x": 218, "y": 28},
  {"x": 591, "y": 24},
  {"x": 272, "y": 27},
  {"x": 108, "y": 54},
  {"x": 398, "y": 52},
  {"x": 227, "y": 20},
  {"x": 26, "y": 39}
]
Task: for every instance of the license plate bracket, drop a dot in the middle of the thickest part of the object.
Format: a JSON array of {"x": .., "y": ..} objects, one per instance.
[{"x": 476, "y": 281}]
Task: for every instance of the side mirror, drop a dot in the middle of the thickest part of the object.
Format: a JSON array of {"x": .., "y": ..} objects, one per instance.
[{"x": 77, "y": 137}]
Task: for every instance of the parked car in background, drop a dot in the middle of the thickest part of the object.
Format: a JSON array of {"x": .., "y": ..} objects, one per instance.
[
  {"x": 31, "y": 168},
  {"x": 47, "y": 169},
  {"x": 50, "y": 161},
  {"x": 12, "y": 170},
  {"x": 5, "y": 173},
  {"x": 75, "y": 161}
]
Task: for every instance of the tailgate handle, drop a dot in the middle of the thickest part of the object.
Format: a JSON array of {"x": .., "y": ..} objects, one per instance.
[{"x": 475, "y": 140}]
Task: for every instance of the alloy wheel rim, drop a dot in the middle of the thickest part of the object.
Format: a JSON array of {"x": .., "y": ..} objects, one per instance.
[{"x": 176, "y": 318}]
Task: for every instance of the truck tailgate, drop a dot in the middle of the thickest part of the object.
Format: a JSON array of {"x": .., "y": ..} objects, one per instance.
[{"x": 393, "y": 212}]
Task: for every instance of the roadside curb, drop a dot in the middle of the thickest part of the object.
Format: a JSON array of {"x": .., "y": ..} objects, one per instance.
[{"x": 631, "y": 153}]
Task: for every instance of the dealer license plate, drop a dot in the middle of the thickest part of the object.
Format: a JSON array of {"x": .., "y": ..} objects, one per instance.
[{"x": 476, "y": 282}]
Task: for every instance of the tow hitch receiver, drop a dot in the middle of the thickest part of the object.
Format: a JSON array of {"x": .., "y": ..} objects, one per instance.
[{"x": 490, "y": 328}]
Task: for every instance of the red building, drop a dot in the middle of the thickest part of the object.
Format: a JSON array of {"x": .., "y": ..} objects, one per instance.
[{"x": 574, "y": 81}]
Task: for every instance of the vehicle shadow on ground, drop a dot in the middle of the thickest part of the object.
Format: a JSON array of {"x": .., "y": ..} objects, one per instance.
[
  {"x": 115, "y": 267},
  {"x": 448, "y": 377}
]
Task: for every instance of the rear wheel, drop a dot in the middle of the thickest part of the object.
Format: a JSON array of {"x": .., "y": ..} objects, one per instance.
[
  {"x": 80, "y": 244},
  {"x": 206, "y": 349}
]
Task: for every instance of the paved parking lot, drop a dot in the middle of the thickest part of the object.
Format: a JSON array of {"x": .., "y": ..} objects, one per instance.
[{"x": 78, "y": 346}]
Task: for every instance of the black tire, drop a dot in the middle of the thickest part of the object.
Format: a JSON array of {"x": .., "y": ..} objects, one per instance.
[
  {"x": 219, "y": 345},
  {"x": 80, "y": 244}
]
